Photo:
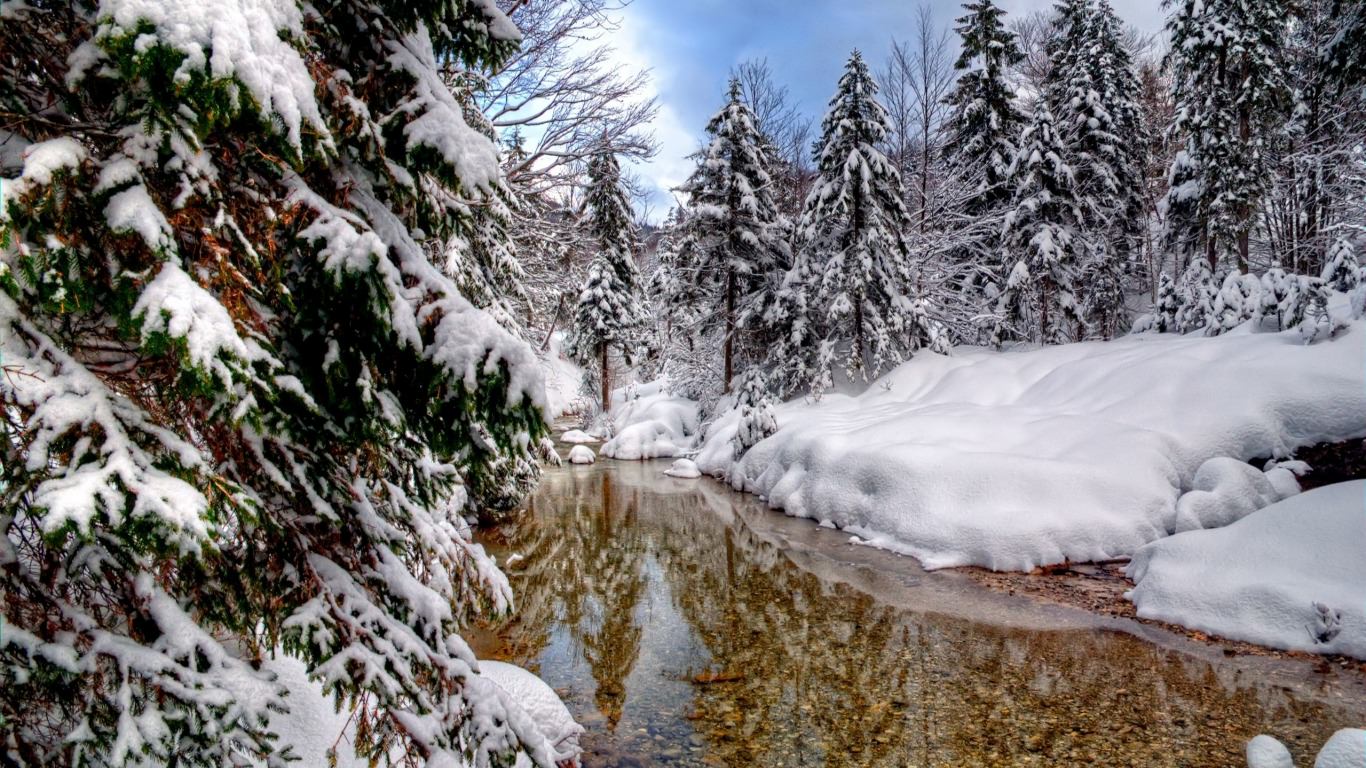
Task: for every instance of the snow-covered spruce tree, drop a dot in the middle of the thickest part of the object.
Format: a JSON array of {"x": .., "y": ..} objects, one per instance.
[
  {"x": 1344, "y": 57},
  {"x": 1342, "y": 271},
  {"x": 1167, "y": 311},
  {"x": 609, "y": 314},
  {"x": 852, "y": 262},
  {"x": 242, "y": 408},
  {"x": 735, "y": 231},
  {"x": 1043, "y": 238},
  {"x": 1196, "y": 292},
  {"x": 610, "y": 222},
  {"x": 606, "y": 318},
  {"x": 757, "y": 420},
  {"x": 982, "y": 135},
  {"x": 1230, "y": 91},
  {"x": 986, "y": 122},
  {"x": 1092, "y": 90}
]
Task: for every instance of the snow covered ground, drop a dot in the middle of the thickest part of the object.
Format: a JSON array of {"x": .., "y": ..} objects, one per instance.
[
  {"x": 1011, "y": 460},
  {"x": 649, "y": 423},
  {"x": 1292, "y": 575}
]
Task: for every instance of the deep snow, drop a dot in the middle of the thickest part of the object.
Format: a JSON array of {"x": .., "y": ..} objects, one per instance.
[
  {"x": 1290, "y": 576},
  {"x": 1010, "y": 460},
  {"x": 649, "y": 422}
]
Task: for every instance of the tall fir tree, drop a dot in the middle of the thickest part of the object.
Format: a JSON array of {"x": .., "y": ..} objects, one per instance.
[
  {"x": 607, "y": 317},
  {"x": 610, "y": 223},
  {"x": 1044, "y": 238},
  {"x": 735, "y": 231},
  {"x": 244, "y": 411},
  {"x": 1092, "y": 91},
  {"x": 852, "y": 268},
  {"x": 609, "y": 314},
  {"x": 1230, "y": 91},
  {"x": 986, "y": 122}
]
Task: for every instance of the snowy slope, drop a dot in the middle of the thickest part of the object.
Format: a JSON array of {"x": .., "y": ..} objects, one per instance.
[
  {"x": 1292, "y": 575},
  {"x": 1014, "y": 459}
]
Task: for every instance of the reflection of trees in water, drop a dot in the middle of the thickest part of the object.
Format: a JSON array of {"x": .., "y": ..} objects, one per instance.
[
  {"x": 583, "y": 566},
  {"x": 830, "y": 677}
]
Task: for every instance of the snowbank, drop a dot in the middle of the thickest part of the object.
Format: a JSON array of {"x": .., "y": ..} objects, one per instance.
[
  {"x": 1289, "y": 576},
  {"x": 1344, "y": 749},
  {"x": 1011, "y": 460},
  {"x": 649, "y": 423},
  {"x": 684, "y": 468},
  {"x": 540, "y": 701},
  {"x": 577, "y": 436}
]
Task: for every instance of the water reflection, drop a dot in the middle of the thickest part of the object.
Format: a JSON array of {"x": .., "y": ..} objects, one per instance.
[{"x": 684, "y": 628}]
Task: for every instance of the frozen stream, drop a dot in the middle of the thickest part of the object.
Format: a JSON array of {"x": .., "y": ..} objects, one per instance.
[{"x": 688, "y": 625}]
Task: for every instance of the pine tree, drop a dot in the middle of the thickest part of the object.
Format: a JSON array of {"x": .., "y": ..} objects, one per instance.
[
  {"x": 607, "y": 317},
  {"x": 735, "y": 232},
  {"x": 986, "y": 121},
  {"x": 243, "y": 409},
  {"x": 609, "y": 218},
  {"x": 1042, "y": 234},
  {"x": 1168, "y": 309},
  {"x": 757, "y": 420},
  {"x": 1230, "y": 92},
  {"x": 1344, "y": 57},
  {"x": 1342, "y": 271},
  {"x": 852, "y": 263},
  {"x": 1092, "y": 90}
]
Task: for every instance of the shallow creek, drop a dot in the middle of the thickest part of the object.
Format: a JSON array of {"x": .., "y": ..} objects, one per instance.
[{"x": 688, "y": 625}]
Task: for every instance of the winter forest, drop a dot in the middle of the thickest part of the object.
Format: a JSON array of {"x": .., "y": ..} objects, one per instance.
[{"x": 363, "y": 405}]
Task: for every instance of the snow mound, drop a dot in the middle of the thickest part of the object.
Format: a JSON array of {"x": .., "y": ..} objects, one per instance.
[
  {"x": 1010, "y": 460},
  {"x": 577, "y": 436},
  {"x": 1266, "y": 752},
  {"x": 581, "y": 454},
  {"x": 539, "y": 701},
  {"x": 684, "y": 468},
  {"x": 650, "y": 423},
  {"x": 1344, "y": 749},
  {"x": 1289, "y": 576},
  {"x": 1226, "y": 490}
]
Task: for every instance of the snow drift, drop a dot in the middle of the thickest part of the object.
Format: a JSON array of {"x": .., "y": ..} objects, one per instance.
[
  {"x": 1076, "y": 452},
  {"x": 1288, "y": 576},
  {"x": 648, "y": 422}
]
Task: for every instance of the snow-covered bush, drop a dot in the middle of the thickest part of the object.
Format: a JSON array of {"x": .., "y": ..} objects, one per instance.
[
  {"x": 756, "y": 412},
  {"x": 1342, "y": 270},
  {"x": 243, "y": 409}
]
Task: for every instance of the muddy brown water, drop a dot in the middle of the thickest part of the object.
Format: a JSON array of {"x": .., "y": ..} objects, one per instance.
[{"x": 687, "y": 625}]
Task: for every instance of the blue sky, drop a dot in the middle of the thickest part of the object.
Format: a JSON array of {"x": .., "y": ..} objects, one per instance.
[{"x": 690, "y": 45}]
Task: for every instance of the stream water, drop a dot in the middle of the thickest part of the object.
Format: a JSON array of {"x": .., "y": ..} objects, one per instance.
[{"x": 688, "y": 625}]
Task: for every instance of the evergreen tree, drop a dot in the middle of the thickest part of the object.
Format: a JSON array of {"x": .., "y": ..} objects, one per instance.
[
  {"x": 609, "y": 218},
  {"x": 986, "y": 121},
  {"x": 243, "y": 408},
  {"x": 607, "y": 317},
  {"x": 1092, "y": 90},
  {"x": 1342, "y": 271},
  {"x": 1043, "y": 234},
  {"x": 1168, "y": 308},
  {"x": 852, "y": 264},
  {"x": 735, "y": 232},
  {"x": 1229, "y": 83},
  {"x": 1344, "y": 57},
  {"x": 756, "y": 412}
]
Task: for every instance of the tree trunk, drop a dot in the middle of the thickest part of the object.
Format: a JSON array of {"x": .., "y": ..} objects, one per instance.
[
  {"x": 606, "y": 373},
  {"x": 1245, "y": 225},
  {"x": 729, "y": 351}
]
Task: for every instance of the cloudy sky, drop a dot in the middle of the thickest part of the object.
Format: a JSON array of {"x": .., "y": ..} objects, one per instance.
[{"x": 691, "y": 45}]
